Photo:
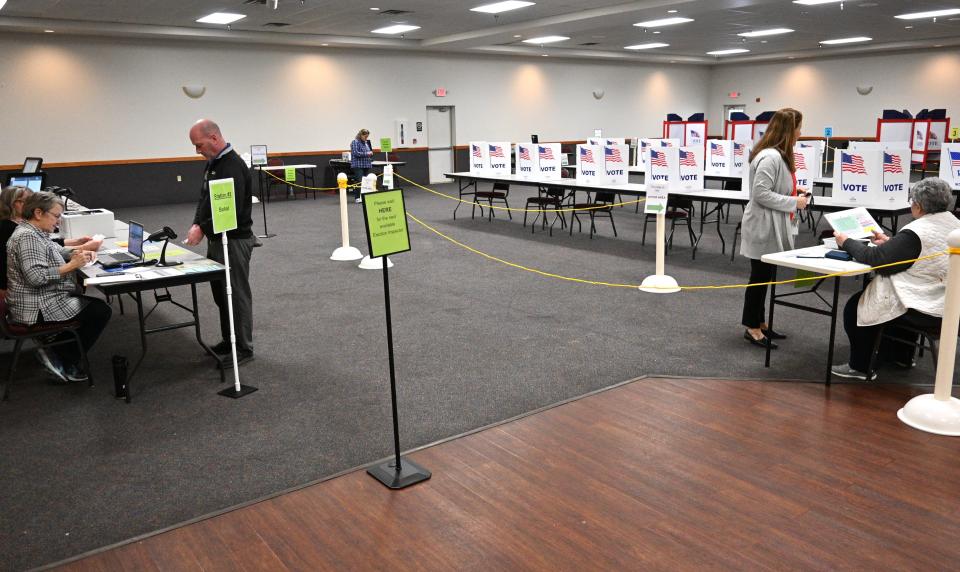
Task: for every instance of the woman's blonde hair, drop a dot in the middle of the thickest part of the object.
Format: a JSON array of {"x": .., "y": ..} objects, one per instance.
[
  {"x": 9, "y": 196},
  {"x": 362, "y": 132},
  {"x": 781, "y": 134}
]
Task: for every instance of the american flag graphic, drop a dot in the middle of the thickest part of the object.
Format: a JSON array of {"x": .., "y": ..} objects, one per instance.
[
  {"x": 852, "y": 164},
  {"x": 716, "y": 150},
  {"x": 694, "y": 134},
  {"x": 612, "y": 155},
  {"x": 665, "y": 143},
  {"x": 891, "y": 164},
  {"x": 799, "y": 162},
  {"x": 688, "y": 158},
  {"x": 658, "y": 159},
  {"x": 546, "y": 153},
  {"x": 586, "y": 155},
  {"x": 496, "y": 151},
  {"x": 609, "y": 142},
  {"x": 955, "y": 158},
  {"x": 737, "y": 150},
  {"x": 524, "y": 154},
  {"x": 933, "y": 136},
  {"x": 476, "y": 152}
]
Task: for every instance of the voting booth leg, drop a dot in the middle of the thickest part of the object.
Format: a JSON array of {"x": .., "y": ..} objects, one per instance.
[
  {"x": 660, "y": 283},
  {"x": 263, "y": 205},
  {"x": 237, "y": 390},
  {"x": 344, "y": 252},
  {"x": 939, "y": 412},
  {"x": 398, "y": 473}
]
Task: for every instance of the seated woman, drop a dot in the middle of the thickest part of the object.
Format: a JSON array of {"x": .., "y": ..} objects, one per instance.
[
  {"x": 42, "y": 288},
  {"x": 909, "y": 294},
  {"x": 11, "y": 215}
]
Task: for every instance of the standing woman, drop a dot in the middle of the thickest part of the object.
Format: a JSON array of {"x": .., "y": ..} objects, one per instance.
[
  {"x": 361, "y": 157},
  {"x": 769, "y": 221}
]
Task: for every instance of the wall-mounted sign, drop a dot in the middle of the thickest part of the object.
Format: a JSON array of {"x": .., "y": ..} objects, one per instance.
[
  {"x": 419, "y": 127},
  {"x": 440, "y": 92},
  {"x": 733, "y": 94}
]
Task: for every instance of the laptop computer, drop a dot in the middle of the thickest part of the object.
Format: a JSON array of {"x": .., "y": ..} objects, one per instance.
[{"x": 134, "y": 251}]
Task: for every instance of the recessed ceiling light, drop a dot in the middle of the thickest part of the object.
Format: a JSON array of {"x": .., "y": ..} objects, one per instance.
[
  {"x": 324, "y": 45},
  {"x": 672, "y": 11},
  {"x": 930, "y": 14},
  {"x": 649, "y": 46},
  {"x": 815, "y": 2},
  {"x": 517, "y": 36},
  {"x": 544, "y": 55},
  {"x": 656, "y": 31},
  {"x": 375, "y": 9},
  {"x": 908, "y": 27},
  {"x": 728, "y": 52},
  {"x": 790, "y": 57},
  {"x": 546, "y": 40},
  {"x": 505, "y": 6},
  {"x": 935, "y": 45},
  {"x": 395, "y": 29},
  {"x": 846, "y": 40},
  {"x": 45, "y": 31},
  {"x": 770, "y": 32},
  {"x": 663, "y": 22},
  {"x": 221, "y": 18}
]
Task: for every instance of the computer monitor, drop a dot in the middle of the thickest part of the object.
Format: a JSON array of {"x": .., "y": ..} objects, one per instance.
[
  {"x": 135, "y": 239},
  {"x": 33, "y": 181},
  {"x": 32, "y": 164}
]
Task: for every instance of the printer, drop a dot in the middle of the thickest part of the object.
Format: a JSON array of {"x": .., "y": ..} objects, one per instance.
[{"x": 89, "y": 222}]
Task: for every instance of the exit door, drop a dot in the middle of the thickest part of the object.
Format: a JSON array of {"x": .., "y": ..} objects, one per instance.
[{"x": 441, "y": 133}]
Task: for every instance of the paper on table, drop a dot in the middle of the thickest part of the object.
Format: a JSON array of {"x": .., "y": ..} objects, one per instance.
[
  {"x": 113, "y": 279},
  {"x": 855, "y": 223}
]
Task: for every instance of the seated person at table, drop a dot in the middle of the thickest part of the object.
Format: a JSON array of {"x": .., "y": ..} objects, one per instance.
[
  {"x": 909, "y": 294},
  {"x": 42, "y": 288}
]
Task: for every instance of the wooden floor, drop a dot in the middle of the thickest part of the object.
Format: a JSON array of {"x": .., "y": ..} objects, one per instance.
[{"x": 659, "y": 474}]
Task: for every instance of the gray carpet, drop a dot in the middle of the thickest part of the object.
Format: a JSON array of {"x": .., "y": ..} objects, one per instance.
[{"x": 476, "y": 342}]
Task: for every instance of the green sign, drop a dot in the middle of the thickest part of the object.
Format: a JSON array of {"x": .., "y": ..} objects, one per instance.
[
  {"x": 290, "y": 175},
  {"x": 386, "y": 145},
  {"x": 386, "y": 221},
  {"x": 223, "y": 205}
]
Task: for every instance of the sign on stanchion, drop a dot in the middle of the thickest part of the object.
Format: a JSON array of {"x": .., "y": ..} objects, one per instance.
[
  {"x": 344, "y": 252},
  {"x": 656, "y": 203},
  {"x": 369, "y": 185},
  {"x": 939, "y": 412},
  {"x": 387, "y": 233},
  {"x": 223, "y": 206}
]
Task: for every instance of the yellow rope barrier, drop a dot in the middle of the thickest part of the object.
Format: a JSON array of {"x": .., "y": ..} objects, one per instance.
[
  {"x": 616, "y": 285},
  {"x": 488, "y": 206},
  {"x": 286, "y": 182}
]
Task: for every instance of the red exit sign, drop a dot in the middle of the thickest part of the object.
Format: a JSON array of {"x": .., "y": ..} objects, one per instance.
[
  {"x": 440, "y": 92},
  {"x": 733, "y": 94}
]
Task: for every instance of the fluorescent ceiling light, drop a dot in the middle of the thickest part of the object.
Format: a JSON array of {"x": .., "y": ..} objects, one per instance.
[
  {"x": 846, "y": 40},
  {"x": 646, "y": 46},
  {"x": 815, "y": 2},
  {"x": 770, "y": 32},
  {"x": 498, "y": 7},
  {"x": 546, "y": 40},
  {"x": 221, "y": 18},
  {"x": 728, "y": 52},
  {"x": 663, "y": 22},
  {"x": 2, "y": 2},
  {"x": 931, "y": 14},
  {"x": 395, "y": 29}
]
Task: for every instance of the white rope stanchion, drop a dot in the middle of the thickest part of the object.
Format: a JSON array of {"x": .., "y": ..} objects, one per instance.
[
  {"x": 659, "y": 283},
  {"x": 344, "y": 252},
  {"x": 939, "y": 412}
]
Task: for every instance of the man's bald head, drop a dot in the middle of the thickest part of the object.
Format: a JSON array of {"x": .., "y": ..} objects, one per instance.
[{"x": 206, "y": 137}]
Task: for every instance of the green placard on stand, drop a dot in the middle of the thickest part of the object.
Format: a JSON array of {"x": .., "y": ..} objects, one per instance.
[
  {"x": 223, "y": 205},
  {"x": 386, "y": 145},
  {"x": 386, "y": 220},
  {"x": 290, "y": 175}
]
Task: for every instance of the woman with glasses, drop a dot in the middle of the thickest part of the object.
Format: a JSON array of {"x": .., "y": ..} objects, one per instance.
[
  {"x": 909, "y": 294},
  {"x": 42, "y": 288}
]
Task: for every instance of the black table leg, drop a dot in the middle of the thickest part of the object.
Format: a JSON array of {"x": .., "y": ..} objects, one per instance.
[
  {"x": 833, "y": 325},
  {"x": 773, "y": 299},
  {"x": 143, "y": 345},
  {"x": 196, "y": 327}
]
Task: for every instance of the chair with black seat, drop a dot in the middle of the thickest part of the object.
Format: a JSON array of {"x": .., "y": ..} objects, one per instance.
[
  {"x": 20, "y": 333},
  {"x": 500, "y": 192},
  {"x": 599, "y": 203},
  {"x": 546, "y": 197},
  {"x": 679, "y": 211},
  {"x": 906, "y": 334},
  {"x": 275, "y": 178}
]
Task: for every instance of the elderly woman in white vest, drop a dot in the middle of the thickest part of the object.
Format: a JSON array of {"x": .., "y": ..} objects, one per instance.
[
  {"x": 908, "y": 294},
  {"x": 769, "y": 220}
]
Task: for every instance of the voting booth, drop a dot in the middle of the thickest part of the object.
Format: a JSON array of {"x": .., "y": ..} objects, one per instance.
[
  {"x": 926, "y": 133},
  {"x": 873, "y": 178},
  {"x": 689, "y": 133},
  {"x": 590, "y": 164},
  {"x": 645, "y": 144},
  {"x": 615, "y": 158},
  {"x": 528, "y": 161},
  {"x": 606, "y": 141},
  {"x": 817, "y": 146},
  {"x": 479, "y": 164},
  {"x": 803, "y": 162},
  {"x": 680, "y": 167},
  {"x": 950, "y": 164},
  {"x": 549, "y": 160},
  {"x": 725, "y": 158},
  {"x": 741, "y": 128}
]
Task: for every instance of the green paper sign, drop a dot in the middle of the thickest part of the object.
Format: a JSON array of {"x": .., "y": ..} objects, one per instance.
[
  {"x": 223, "y": 205},
  {"x": 386, "y": 145},
  {"x": 386, "y": 221},
  {"x": 290, "y": 175}
]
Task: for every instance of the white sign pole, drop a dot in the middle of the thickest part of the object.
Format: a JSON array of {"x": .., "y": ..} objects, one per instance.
[
  {"x": 233, "y": 330},
  {"x": 656, "y": 202},
  {"x": 344, "y": 252},
  {"x": 939, "y": 412}
]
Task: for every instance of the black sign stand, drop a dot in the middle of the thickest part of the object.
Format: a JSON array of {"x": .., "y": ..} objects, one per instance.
[
  {"x": 263, "y": 204},
  {"x": 398, "y": 473}
]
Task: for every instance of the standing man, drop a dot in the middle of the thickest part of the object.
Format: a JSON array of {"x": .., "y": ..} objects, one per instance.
[{"x": 224, "y": 163}]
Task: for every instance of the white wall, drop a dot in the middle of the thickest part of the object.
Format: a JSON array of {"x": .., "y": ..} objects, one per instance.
[
  {"x": 825, "y": 90},
  {"x": 88, "y": 99}
]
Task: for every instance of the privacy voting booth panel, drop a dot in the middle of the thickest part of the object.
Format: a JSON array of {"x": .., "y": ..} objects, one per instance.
[
  {"x": 738, "y": 130},
  {"x": 926, "y": 136},
  {"x": 689, "y": 133}
]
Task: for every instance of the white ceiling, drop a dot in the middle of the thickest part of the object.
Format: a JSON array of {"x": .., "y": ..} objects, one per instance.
[{"x": 597, "y": 28}]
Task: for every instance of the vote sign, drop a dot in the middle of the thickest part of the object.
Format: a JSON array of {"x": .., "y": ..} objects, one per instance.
[
  {"x": 590, "y": 164},
  {"x": 498, "y": 156},
  {"x": 528, "y": 161},
  {"x": 950, "y": 164},
  {"x": 859, "y": 177},
  {"x": 803, "y": 158},
  {"x": 479, "y": 163},
  {"x": 615, "y": 158},
  {"x": 548, "y": 160}
]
